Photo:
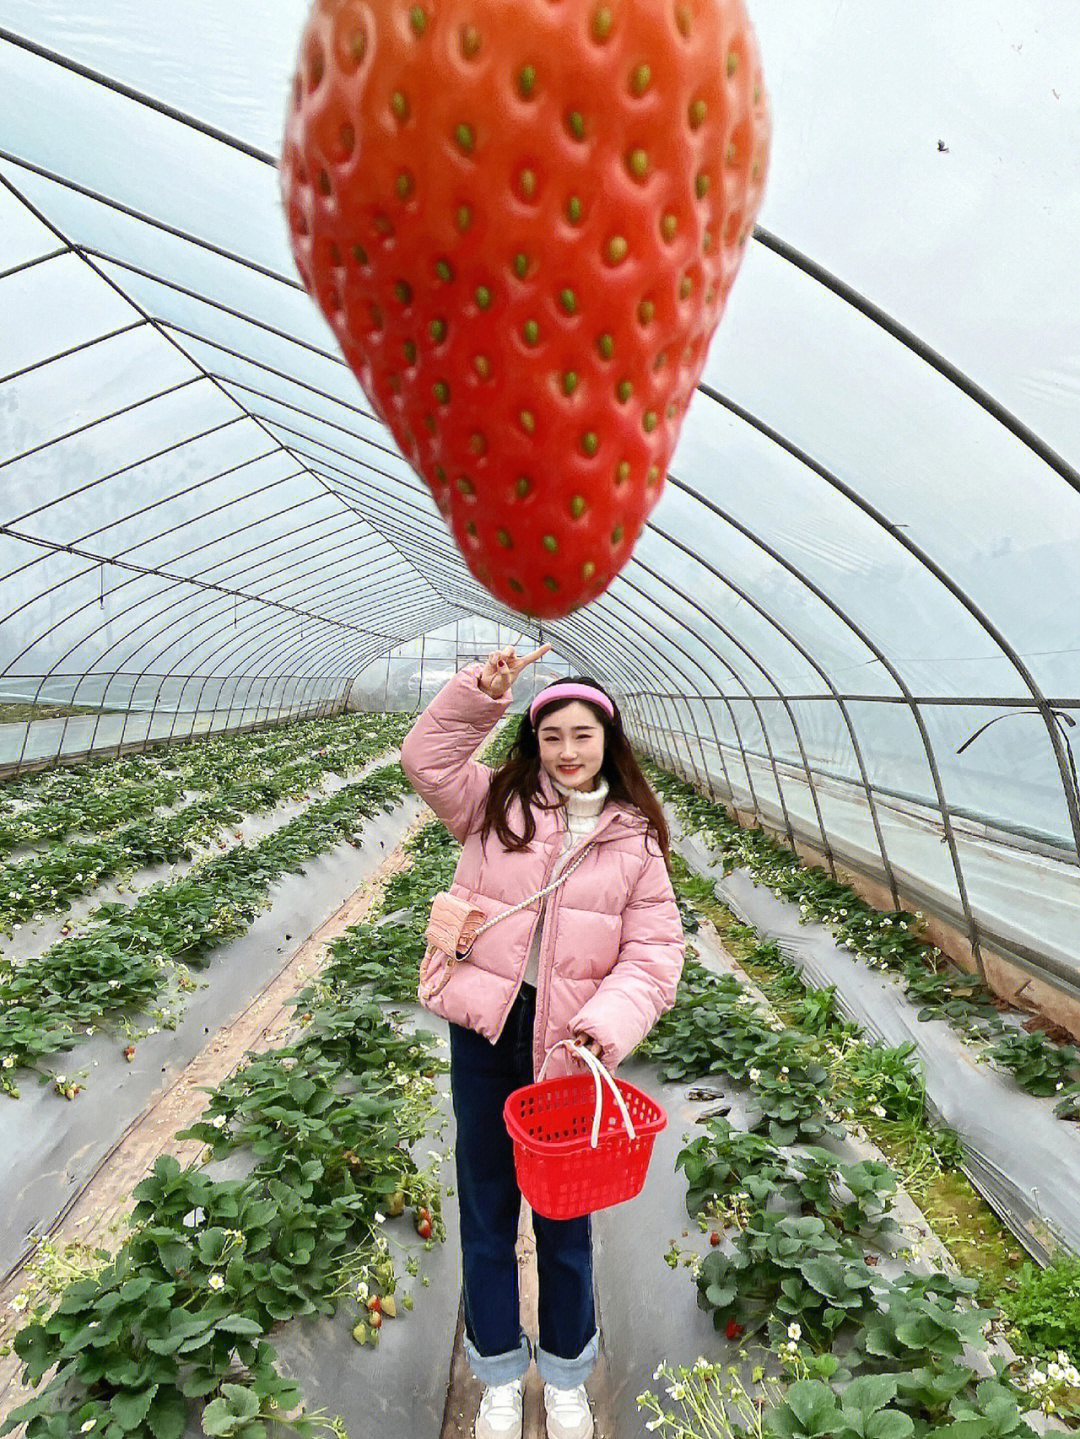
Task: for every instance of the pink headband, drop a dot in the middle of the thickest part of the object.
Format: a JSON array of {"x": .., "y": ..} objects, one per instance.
[{"x": 571, "y": 692}]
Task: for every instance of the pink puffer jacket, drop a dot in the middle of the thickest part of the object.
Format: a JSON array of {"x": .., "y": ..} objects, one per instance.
[{"x": 612, "y": 947}]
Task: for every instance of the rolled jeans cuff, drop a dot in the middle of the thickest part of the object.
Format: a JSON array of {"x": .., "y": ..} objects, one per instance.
[
  {"x": 500, "y": 1368},
  {"x": 568, "y": 1373}
]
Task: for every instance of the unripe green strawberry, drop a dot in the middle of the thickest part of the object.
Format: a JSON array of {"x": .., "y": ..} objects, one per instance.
[{"x": 522, "y": 219}]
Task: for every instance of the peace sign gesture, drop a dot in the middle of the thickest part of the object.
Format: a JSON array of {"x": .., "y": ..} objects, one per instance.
[{"x": 503, "y": 667}]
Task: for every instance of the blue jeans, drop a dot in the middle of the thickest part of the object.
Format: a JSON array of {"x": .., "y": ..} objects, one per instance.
[{"x": 482, "y": 1075}]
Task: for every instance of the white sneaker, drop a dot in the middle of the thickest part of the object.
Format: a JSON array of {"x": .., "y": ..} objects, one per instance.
[
  {"x": 568, "y": 1413},
  {"x": 500, "y": 1412}
]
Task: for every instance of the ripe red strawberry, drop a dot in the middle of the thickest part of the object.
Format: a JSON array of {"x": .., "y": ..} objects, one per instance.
[
  {"x": 733, "y": 1330},
  {"x": 522, "y": 219}
]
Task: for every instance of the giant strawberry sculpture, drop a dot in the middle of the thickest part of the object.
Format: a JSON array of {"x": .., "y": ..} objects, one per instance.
[{"x": 522, "y": 219}]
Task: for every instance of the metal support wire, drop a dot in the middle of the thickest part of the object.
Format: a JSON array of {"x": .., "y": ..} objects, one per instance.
[
  {"x": 208, "y": 658},
  {"x": 400, "y": 481},
  {"x": 653, "y": 697},
  {"x": 759, "y": 609},
  {"x": 117, "y": 206},
  {"x": 19, "y": 374},
  {"x": 600, "y": 640},
  {"x": 102, "y": 419},
  {"x": 647, "y": 679},
  {"x": 1072, "y": 801},
  {"x": 611, "y": 596},
  {"x": 96, "y": 268},
  {"x": 931, "y": 357},
  {"x": 98, "y": 78},
  {"x": 290, "y": 623},
  {"x": 263, "y": 367},
  {"x": 81, "y": 490},
  {"x": 96, "y": 258},
  {"x": 195, "y": 578},
  {"x": 230, "y": 643},
  {"x": 225, "y": 536},
  {"x": 145, "y": 509},
  {"x": 760, "y": 717},
  {"x": 1061, "y": 702},
  {"x": 24, "y": 265},
  {"x": 185, "y": 584},
  {"x": 1060, "y": 716},
  {"x": 667, "y": 660},
  {"x": 857, "y": 629}
]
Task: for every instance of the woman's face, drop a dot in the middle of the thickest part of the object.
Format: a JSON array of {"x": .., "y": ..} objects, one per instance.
[{"x": 572, "y": 745}]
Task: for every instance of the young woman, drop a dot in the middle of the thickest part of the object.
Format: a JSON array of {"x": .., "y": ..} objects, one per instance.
[{"x": 597, "y": 960}]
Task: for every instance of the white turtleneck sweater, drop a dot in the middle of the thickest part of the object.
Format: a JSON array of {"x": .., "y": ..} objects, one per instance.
[{"x": 582, "y": 812}]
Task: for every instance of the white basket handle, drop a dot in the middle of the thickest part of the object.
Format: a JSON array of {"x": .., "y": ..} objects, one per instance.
[{"x": 599, "y": 1073}]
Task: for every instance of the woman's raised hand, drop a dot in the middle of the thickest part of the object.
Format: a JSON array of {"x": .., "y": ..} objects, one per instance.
[{"x": 503, "y": 667}]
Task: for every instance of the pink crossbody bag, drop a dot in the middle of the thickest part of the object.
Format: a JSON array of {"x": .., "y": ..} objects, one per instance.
[{"x": 454, "y": 927}]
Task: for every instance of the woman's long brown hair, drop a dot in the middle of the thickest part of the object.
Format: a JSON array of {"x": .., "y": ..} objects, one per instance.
[{"x": 518, "y": 777}]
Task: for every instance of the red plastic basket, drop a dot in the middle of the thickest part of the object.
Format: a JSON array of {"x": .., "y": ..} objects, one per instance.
[{"x": 551, "y": 1123}]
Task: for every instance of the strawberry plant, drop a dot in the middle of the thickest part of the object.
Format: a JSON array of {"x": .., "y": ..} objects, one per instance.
[
  {"x": 919, "y": 1316},
  {"x": 121, "y": 959},
  {"x": 713, "y": 1029},
  {"x": 783, "y": 1268},
  {"x": 50, "y": 880},
  {"x": 1038, "y": 1066},
  {"x": 522, "y": 226},
  {"x": 181, "y": 1314},
  {"x": 211, "y": 1265},
  {"x": 887, "y": 942}
]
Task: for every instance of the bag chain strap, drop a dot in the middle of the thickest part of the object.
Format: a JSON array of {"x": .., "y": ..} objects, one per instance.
[{"x": 526, "y": 902}]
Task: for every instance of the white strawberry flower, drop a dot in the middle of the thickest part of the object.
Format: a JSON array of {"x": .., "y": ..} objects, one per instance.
[
  {"x": 794, "y": 1332},
  {"x": 85, "y": 1428},
  {"x": 216, "y": 1282}
]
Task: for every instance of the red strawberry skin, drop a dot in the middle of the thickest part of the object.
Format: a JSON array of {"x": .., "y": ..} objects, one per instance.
[{"x": 522, "y": 219}]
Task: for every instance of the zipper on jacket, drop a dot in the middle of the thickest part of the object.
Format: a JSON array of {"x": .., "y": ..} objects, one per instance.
[{"x": 544, "y": 973}]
